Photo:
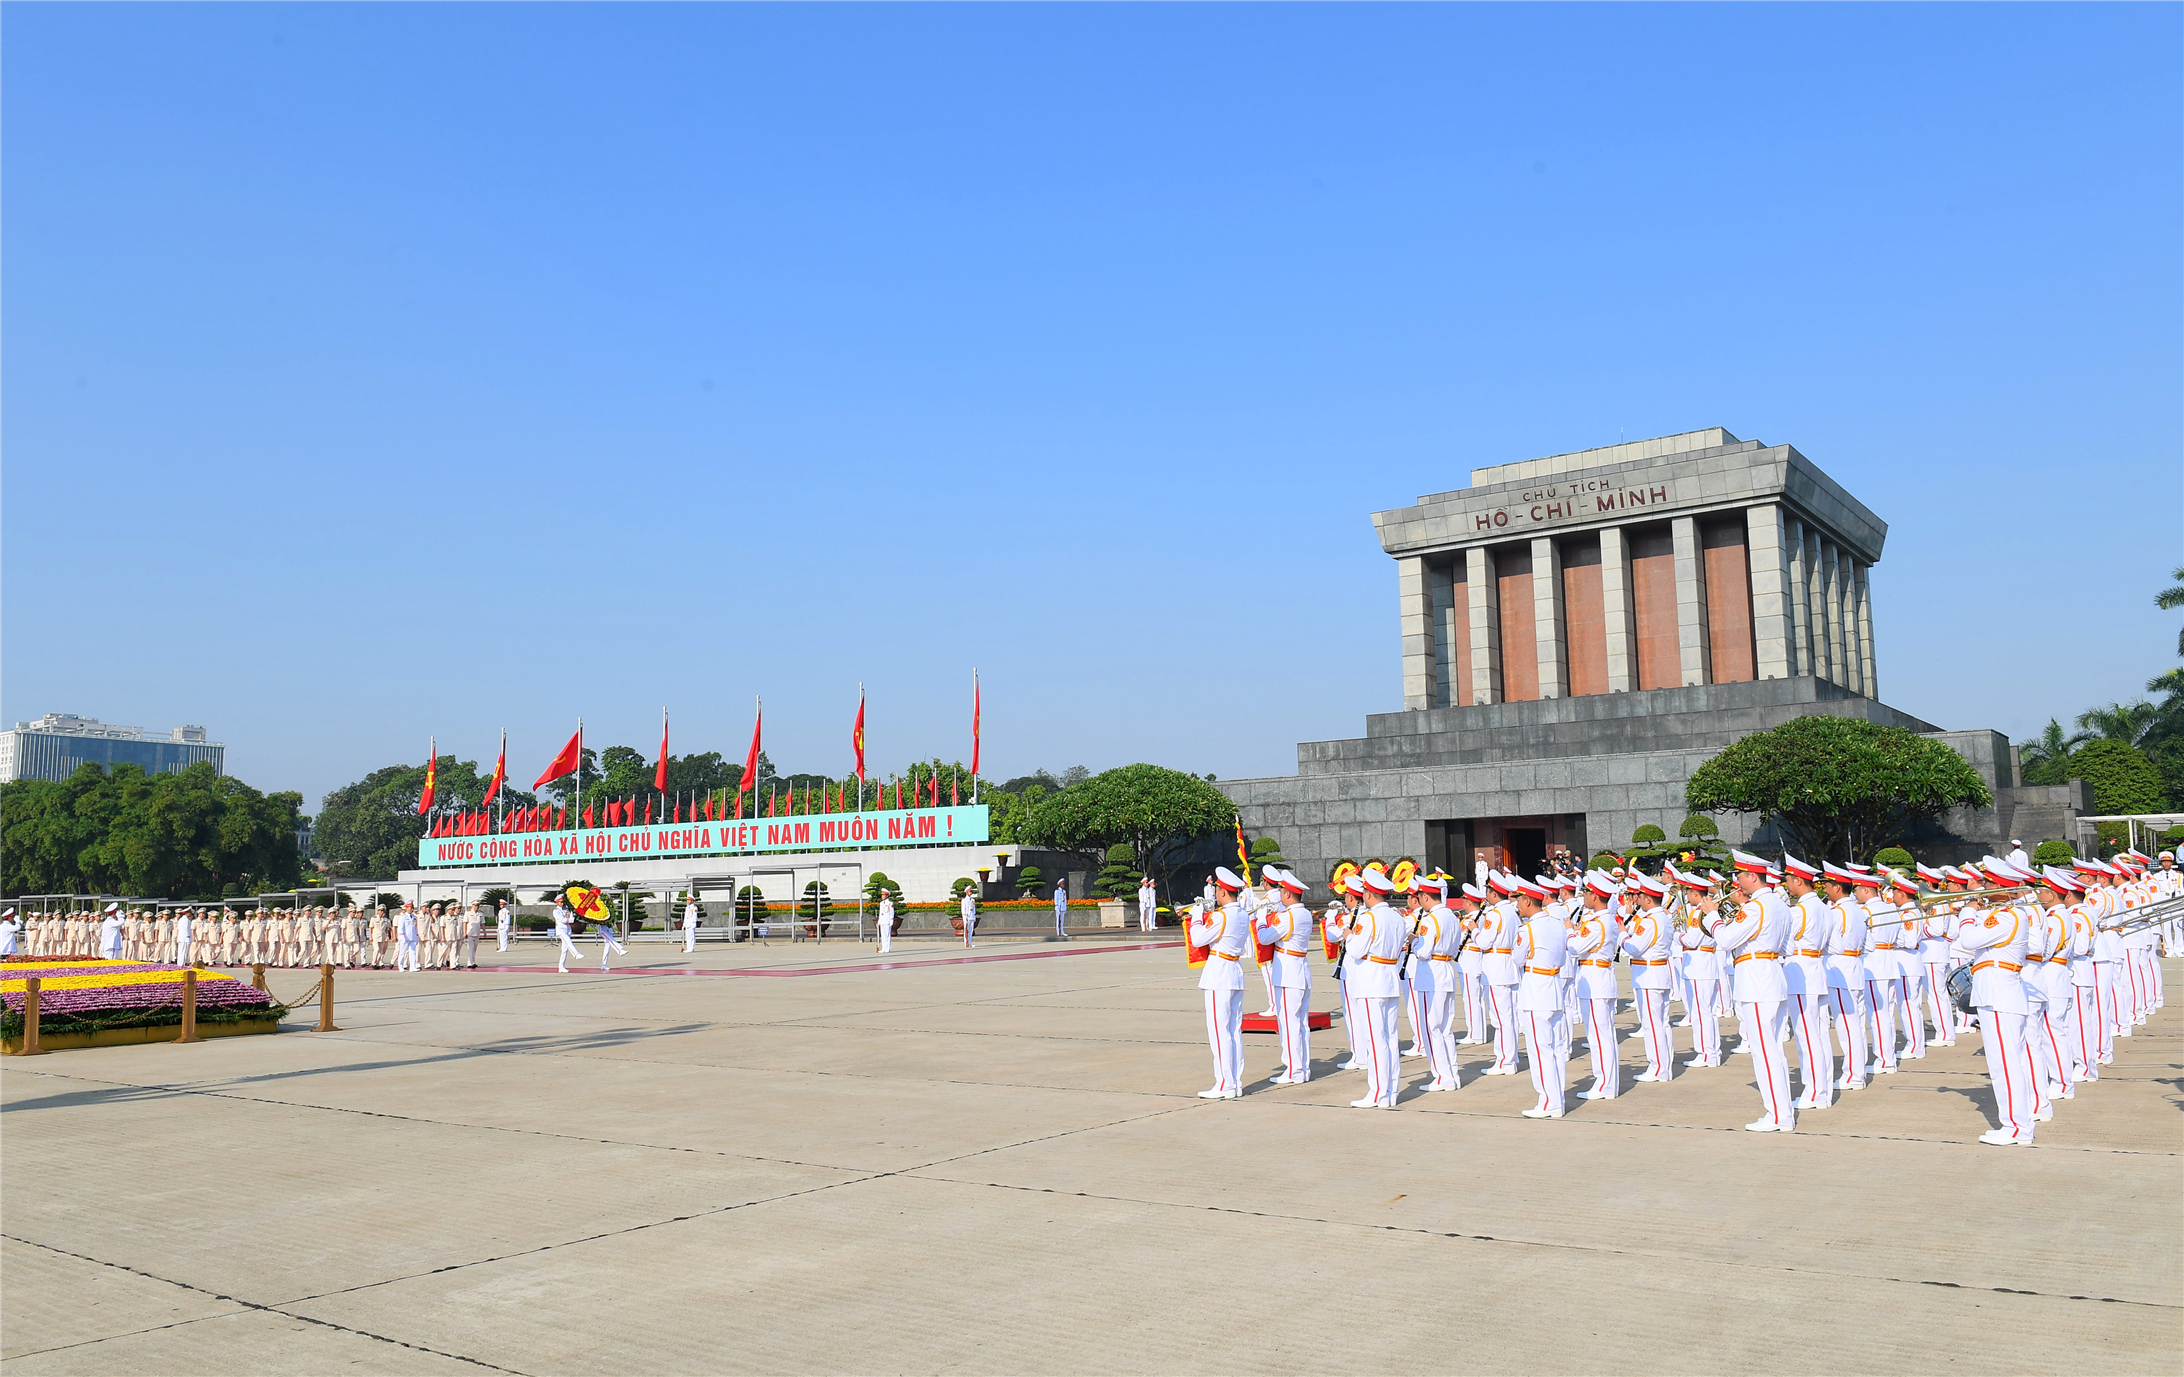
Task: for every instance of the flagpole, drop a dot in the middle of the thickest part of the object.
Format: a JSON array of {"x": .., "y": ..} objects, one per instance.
[
  {"x": 974, "y": 732},
  {"x": 578, "y": 811}
]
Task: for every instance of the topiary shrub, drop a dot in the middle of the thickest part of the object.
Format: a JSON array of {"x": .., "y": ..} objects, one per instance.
[
  {"x": 1119, "y": 877},
  {"x": 877, "y": 887},
  {"x": 2052, "y": 852},
  {"x": 1028, "y": 881},
  {"x": 1698, "y": 825},
  {"x": 1647, "y": 835},
  {"x": 1894, "y": 857},
  {"x": 961, "y": 884},
  {"x": 1606, "y": 860},
  {"x": 1266, "y": 851},
  {"x": 2174, "y": 834}
]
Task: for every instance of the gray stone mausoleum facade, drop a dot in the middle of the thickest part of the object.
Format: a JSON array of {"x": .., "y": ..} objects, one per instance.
[{"x": 1581, "y": 632}]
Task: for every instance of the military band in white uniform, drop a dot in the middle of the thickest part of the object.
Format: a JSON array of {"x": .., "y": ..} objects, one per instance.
[{"x": 1850, "y": 964}]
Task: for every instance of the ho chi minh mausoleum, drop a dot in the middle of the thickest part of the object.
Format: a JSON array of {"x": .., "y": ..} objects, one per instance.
[{"x": 1581, "y": 632}]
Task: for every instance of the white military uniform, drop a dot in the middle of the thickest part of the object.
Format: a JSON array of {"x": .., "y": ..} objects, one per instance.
[
  {"x": 1594, "y": 943},
  {"x": 886, "y": 923},
  {"x": 1848, "y": 931},
  {"x": 1148, "y": 905},
  {"x": 110, "y": 935},
  {"x": 1541, "y": 944},
  {"x": 1225, "y": 934},
  {"x": 500, "y": 927},
  {"x": 473, "y": 928},
  {"x": 1648, "y": 943},
  {"x": 1997, "y": 942},
  {"x": 10, "y": 928},
  {"x": 405, "y": 928},
  {"x": 1497, "y": 942},
  {"x": 182, "y": 930},
  {"x": 1377, "y": 936},
  {"x": 1288, "y": 928},
  {"x": 1061, "y": 908},
  {"x": 690, "y": 928},
  {"x": 1805, "y": 972},
  {"x": 1433, "y": 982},
  {"x": 969, "y": 910},
  {"x": 561, "y": 931},
  {"x": 1753, "y": 944}
]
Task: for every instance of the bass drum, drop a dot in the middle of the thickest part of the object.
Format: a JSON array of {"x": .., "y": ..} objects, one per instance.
[{"x": 1959, "y": 984}]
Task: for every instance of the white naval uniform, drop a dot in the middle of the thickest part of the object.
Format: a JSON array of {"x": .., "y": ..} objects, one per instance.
[
  {"x": 1805, "y": 972},
  {"x": 690, "y": 929},
  {"x": 10, "y": 928},
  {"x": 1433, "y": 984},
  {"x": 405, "y": 928},
  {"x": 500, "y": 927},
  {"x": 1377, "y": 937},
  {"x": 969, "y": 911},
  {"x": 1541, "y": 942},
  {"x": 1647, "y": 944},
  {"x": 1226, "y": 934},
  {"x": 561, "y": 931},
  {"x": 110, "y": 936},
  {"x": 1497, "y": 941},
  {"x": 1708, "y": 998},
  {"x": 885, "y": 923},
  {"x": 1848, "y": 931},
  {"x": 1288, "y": 928},
  {"x": 1061, "y": 910},
  {"x": 1594, "y": 944},
  {"x": 1997, "y": 943},
  {"x": 1148, "y": 905},
  {"x": 182, "y": 930},
  {"x": 1753, "y": 943},
  {"x": 608, "y": 942}
]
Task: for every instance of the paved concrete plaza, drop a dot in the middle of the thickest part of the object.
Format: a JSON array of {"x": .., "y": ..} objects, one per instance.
[{"x": 1001, "y": 1166}]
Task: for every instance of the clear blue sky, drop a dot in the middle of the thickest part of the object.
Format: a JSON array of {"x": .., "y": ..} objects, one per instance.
[{"x": 380, "y": 371}]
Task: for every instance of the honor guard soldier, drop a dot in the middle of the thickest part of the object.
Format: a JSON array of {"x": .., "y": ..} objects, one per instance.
[
  {"x": 501, "y": 925},
  {"x": 1594, "y": 942},
  {"x": 1225, "y": 934},
  {"x": 1753, "y": 941},
  {"x": 1707, "y": 993},
  {"x": 1434, "y": 941},
  {"x": 1148, "y": 904},
  {"x": 1287, "y": 927},
  {"x": 885, "y": 923},
  {"x": 1647, "y": 943},
  {"x": 1497, "y": 940},
  {"x": 969, "y": 913},
  {"x": 1805, "y": 972},
  {"x": 1377, "y": 937},
  {"x": 1540, "y": 942},
  {"x": 1848, "y": 931},
  {"x": 1996, "y": 939}
]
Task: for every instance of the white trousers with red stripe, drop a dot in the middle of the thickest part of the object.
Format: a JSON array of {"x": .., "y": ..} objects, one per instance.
[
  {"x": 1378, "y": 1057},
  {"x": 2044, "y": 1040},
  {"x": 1938, "y": 1002},
  {"x": 1815, "y": 1056},
  {"x": 2104, "y": 987},
  {"x": 1547, "y": 1041},
  {"x": 1607, "y": 1072},
  {"x": 2085, "y": 1030},
  {"x": 1502, "y": 1000},
  {"x": 1653, "y": 1030},
  {"x": 2009, "y": 1068},
  {"x": 1441, "y": 1037},
  {"x": 1415, "y": 999},
  {"x": 1293, "y": 1023},
  {"x": 1881, "y": 995},
  {"x": 1707, "y": 998},
  {"x": 1225, "y": 1032},
  {"x": 1762, "y": 1025},
  {"x": 1851, "y": 1013},
  {"x": 1473, "y": 984},
  {"x": 1914, "y": 1022}
]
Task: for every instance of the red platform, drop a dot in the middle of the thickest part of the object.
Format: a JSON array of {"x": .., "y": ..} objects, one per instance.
[{"x": 1260, "y": 1023}]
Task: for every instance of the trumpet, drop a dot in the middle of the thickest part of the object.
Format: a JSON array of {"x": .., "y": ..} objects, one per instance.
[{"x": 1929, "y": 900}]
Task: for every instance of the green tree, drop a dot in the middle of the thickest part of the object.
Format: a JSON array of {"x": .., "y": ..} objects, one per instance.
[
  {"x": 183, "y": 835},
  {"x": 1158, "y": 813},
  {"x": 1837, "y": 786},
  {"x": 2047, "y": 760},
  {"x": 2125, "y": 722},
  {"x": 371, "y": 827},
  {"x": 1266, "y": 851},
  {"x": 1895, "y": 858},
  {"x": 2173, "y": 597},
  {"x": 2121, "y": 778},
  {"x": 2053, "y": 853},
  {"x": 878, "y": 887}
]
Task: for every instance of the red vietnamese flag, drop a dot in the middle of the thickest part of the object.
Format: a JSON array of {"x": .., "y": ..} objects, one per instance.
[
  {"x": 648, "y": 812},
  {"x": 750, "y": 759},
  {"x": 954, "y": 796},
  {"x": 432, "y": 776},
  {"x": 587, "y": 815},
  {"x": 739, "y": 802},
  {"x": 856, "y": 735},
  {"x": 936, "y": 792},
  {"x": 561, "y": 819},
  {"x": 659, "y": 773},
  {"x": 500, "y": 773},
  {"x": 563, "y": 764}
]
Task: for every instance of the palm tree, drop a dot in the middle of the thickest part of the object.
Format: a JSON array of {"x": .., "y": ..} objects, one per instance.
[
  {"x": 2052, "y": 749},
  {"x": 2125, "y": 722},
  {"x": 2173, "y": 596}
]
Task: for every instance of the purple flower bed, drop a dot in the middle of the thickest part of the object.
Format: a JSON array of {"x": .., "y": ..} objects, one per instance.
[{"x": 154, "y": 1004}]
